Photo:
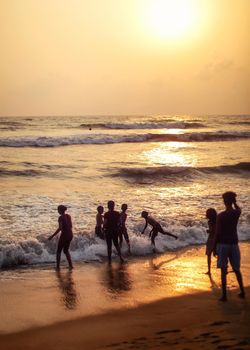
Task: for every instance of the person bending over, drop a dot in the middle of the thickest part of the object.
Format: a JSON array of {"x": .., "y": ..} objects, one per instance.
[{"x": 156, "y": 227}]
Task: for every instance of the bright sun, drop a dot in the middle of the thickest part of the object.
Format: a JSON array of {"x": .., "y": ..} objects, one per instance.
[{"x": 173, "y": 19}]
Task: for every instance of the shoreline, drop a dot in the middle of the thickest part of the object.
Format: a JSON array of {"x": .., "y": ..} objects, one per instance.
[
  {"x": 148, "y": 303},
  {"x": 128, "y": 258},
  {"x": 190, "y": 322}
]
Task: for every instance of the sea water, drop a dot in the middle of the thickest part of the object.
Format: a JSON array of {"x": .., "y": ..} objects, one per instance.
[{"x": 175, "y": 167}]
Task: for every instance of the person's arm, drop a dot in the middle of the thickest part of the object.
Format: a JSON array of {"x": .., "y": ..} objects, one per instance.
[
  {"x": 210, "y": 227},
  {"x": 236, "y": 206},
  {"x": 105, "y": 221},
  {"x": 57, "y": 231},
  {"x": 146, "y": 225}
]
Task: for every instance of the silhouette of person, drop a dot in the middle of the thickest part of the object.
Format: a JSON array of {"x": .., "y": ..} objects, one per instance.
[
  {"x": 65, "y": 226},
  {"x": 67, "y": 287},
  {"x": 211, "y": 215},
  {"x": 111, "y": 229},
  {"x": 156, "y": 227},
  {"x": 226, "y": 243},
  {"x": 123, "y": 229},
  {"x": 99, "y": 222}
]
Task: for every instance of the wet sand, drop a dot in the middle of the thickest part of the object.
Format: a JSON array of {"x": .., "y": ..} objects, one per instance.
[
  {"x": 188, "y": 322},
  {"x": 152, "y": 303}
]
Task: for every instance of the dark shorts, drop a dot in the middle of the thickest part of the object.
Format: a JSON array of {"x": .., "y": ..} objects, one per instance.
[
  {"x": 99, "y": 232},
  {"x": 228, "y": 252},
  {"x": 111, "y": 236}
]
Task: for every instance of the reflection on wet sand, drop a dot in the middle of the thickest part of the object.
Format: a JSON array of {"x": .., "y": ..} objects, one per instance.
[
  {"x": 214, "y": 285},
  {"x": 67, "y": 287},
  {"x": 157, "y": 266},
  {"x": 118, "y": 279}
]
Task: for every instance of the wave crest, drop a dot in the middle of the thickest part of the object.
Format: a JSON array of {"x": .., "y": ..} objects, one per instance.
[
  {"x": 98, "y": 138},
  {"x": 85, "y": 247},
  {"x": 180, "y": 171}
]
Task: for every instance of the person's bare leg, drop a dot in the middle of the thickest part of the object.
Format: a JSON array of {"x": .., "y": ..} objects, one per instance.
[
  {"x": 209, "y": 264},
  {"x": 109, "y": 246},
  {"x": 58, "y": 254},
  {"x": 240, "y": 282},
  {"x": 58, "y": 259},
  {"x": 153, "y": 239},
  {"x": 120, "y": 240},
  {"x": 223, "y": 284},
  {"x": 118, "y": 251},
  {"x": 128, "y": 243},
  {"x": 68, "y": 256}
]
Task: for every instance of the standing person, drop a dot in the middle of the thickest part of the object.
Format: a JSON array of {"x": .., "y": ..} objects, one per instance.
[
  {"x": 65, "y": 226},
  {"x": 123, "y": 229},
  {"x": 111, "y": 229},
  {"x": 156, "y": 227},
  {"x": 226, "y": 242},
  {"x": 99, "y": 222},
  {"x": 211, "y": 215}
]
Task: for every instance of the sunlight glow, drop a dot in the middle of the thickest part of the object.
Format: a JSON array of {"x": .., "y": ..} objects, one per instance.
[
  {"x": 167, "y": 154},
  {"x": 173, "y": 19}
]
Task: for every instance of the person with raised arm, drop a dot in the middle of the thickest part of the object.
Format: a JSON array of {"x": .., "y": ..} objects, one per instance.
[{"x": 226, "y": 242}]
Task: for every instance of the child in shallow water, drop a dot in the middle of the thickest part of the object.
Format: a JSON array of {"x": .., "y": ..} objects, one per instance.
[
  {"x": 123, "y": 232},
  {"x": 156, "y": 227},
  {"x": 65, "y": 226},
  {"x": 99, "y": 222},
  {"x": 211, "y": 215}
]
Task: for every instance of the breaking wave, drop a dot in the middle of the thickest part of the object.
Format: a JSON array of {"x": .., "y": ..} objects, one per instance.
[
  {"x": 87, "y": 248},
  {"x": 169, "y": 124},
  {"x": 99, "y": 138},
  {"x": 180, "y": 171}
]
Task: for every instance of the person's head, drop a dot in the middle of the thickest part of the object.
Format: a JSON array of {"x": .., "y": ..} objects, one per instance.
[
  {"x": 100, "y": 209},
  {"x": 144, "y": 214},
  {"x": 61, "y": 209},
  {"x": 111, "y": 205},
  {"x": 124, "y": 207},
  {"x": 229, "y": 198},
  {"x": 211, "y": 214}
]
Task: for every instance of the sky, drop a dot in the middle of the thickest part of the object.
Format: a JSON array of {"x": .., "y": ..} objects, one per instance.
[{"x": 126, "y": 57}]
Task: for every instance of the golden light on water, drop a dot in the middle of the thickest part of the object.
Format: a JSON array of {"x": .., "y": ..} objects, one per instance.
[{"x": 168, "y": 154}]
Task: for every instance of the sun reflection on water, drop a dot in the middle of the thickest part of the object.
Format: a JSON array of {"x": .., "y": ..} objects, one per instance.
[{"x": 169, "y": 153}]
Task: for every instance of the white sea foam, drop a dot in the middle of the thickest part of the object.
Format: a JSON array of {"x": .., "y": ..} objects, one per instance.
[
  {"x": 88, "y": 248},
  {"x": 101, "y": 138}
]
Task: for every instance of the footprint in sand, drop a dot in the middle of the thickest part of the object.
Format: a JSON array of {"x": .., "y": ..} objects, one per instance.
[
  {"x": 165, "y": 331},
  {"x": 219, "y": 323}
]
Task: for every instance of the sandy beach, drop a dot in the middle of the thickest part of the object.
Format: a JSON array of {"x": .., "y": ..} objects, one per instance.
[
  {"x": 174, "y": 305},
  {"x": 189, "y": 322}
]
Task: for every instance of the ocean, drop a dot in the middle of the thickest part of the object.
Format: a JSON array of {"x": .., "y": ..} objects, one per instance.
[{"x": 173, "y": 166}]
